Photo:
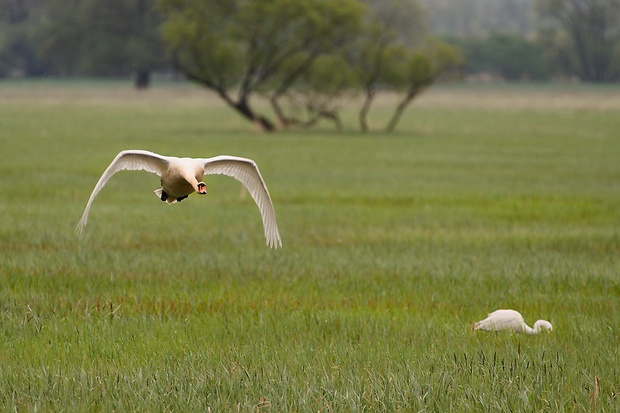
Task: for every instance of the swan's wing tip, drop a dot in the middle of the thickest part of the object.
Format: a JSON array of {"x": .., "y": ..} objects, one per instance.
[
  {"x": 274, "y": 243},
  {"x": 79, "y": 229}
]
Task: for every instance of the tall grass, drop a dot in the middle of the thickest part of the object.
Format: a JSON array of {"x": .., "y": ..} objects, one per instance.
[{"x": 393, "y": 246}]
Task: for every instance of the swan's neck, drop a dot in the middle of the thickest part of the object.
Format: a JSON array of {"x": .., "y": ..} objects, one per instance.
[
  {"x": 192, "y": 176},
  {"x": 538, "y": 327}
]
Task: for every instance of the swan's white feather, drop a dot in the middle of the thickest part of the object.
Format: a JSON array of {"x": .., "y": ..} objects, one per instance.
[
  {"x": 246, "y": 171},
  {"x": 176, "y": 171},
  {"x": 131, "y": 160},
  {"x": 511, "y": 320}
]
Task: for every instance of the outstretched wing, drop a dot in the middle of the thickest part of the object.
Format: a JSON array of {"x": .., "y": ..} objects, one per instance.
[
  {"x": 133, "y": 160},
  {"x": 246, "y": 171}
]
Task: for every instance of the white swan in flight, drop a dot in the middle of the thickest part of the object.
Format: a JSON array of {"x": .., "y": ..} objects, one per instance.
[
  {"x": 181, "y": 176},
  {"x": 510, "y": 320}
]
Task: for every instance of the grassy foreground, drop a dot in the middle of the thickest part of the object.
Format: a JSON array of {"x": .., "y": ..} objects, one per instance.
[{"x": 485, "y": 198}]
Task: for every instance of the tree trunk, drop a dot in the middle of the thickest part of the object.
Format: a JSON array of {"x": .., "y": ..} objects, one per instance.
[
  {"x": 265, "y": 124},
  {"x": 275, "y": 105},
  {"x": 333, "y": 116},
  {"x": 142, "y": 79},
  {"x": 370, "y": 94},
  {"x": 397, "y": 114},
  {"x": 400, "y": 109},
  {"x": 413, "y": 92},
  {"x": 243, "y": 107},
  {"x": 308, "y": 123}
]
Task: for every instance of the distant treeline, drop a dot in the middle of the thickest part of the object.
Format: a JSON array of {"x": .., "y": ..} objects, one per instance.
[
  {"x": 499, "y": 39},
  {"x": 532, "y": 39}
]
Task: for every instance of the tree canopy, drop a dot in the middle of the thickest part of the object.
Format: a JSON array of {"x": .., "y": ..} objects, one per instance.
[
  {"x": 508, "y": 39},
  {"x": 241, "y": 47}
]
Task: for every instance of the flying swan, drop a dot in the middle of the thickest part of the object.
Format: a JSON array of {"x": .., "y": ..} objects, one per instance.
[
  {"x": 181, "y": 176},
  {"x": 500, "y": 320}
]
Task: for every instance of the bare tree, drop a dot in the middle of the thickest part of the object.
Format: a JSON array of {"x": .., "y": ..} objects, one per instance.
[{"x": 585, "y": 34}]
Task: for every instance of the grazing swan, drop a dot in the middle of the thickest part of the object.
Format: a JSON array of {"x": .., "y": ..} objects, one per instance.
[
  {"x": 182, "y": 176},
  {"x": 510, "y": 320}
]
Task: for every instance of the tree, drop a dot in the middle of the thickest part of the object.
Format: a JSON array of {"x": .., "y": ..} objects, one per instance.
[
  {"x": 394, "y": 54},
  {"x": 94, "y": 38},
  {"x": 584, "y": 34},
  {"x": 18, "y": 52},
  {"x": 246, "y": 46},
  {"x": 305, "y": 56},
  {"x": 418, "y": 70},
  {"x": 391, "y": 27}
]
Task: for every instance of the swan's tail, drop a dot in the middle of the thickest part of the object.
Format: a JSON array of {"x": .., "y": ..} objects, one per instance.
[{"x": 159, "y": 192}]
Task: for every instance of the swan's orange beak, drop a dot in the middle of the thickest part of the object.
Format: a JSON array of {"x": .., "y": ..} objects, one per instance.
[{"x": 202, "y": 188}]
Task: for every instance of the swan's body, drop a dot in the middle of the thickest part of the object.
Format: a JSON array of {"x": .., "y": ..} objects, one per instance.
[
  {"x": 180, "y": 177},
  {"x": 512, "y": 320}
]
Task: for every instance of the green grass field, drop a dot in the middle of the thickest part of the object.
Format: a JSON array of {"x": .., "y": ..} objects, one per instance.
[{"x": 486, "y": 197}]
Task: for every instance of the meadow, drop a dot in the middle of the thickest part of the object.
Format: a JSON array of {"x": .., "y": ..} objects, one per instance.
[{"x": 486, "y": 197}]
